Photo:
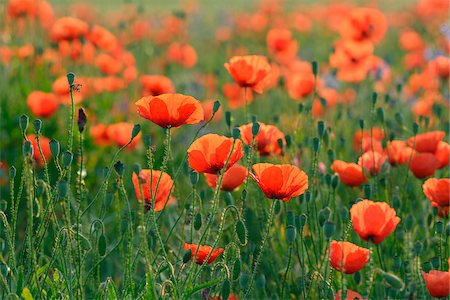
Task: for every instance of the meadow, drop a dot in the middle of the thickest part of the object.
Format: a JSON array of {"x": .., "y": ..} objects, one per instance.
[{"x": 224, "y": 150}]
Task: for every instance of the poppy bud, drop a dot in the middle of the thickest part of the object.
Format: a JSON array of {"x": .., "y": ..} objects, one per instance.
[
  {"x": 23, "y": 122},
  {"x": 409, "y": 222},
  {"x": 368, "y": 191},
  {"x": 357, "y": 277},
  {"x": 361, "y": 124},
  {"x": 137, "y": 168},
  {"x": 228, "y": 118},
  {"x": 290, "y": 218},
  {"x": 236, "y": 269},
  {"x": 300, "y": 107},
  {"x": 63, "y": 189},
  {"x": 82, "y": 119},
  {"x": 316, "y": 144},
  {"x": 415, "y": 127},
  {"x": 187, "y": 256},
  {"x": 54, "y": 148},
  {"x": 255, "y": 128},
  {"x": 344, "y": 213},
  {"x": 147, "y": 141},
  {"x": 244, "y": 194},
  {"x": 374, "y": 98},
  {"x": 135, "y": 131},
  {"x": 27, "y": 149},
  {"x": 426, "y": 267},
  {"x": 254, "y": 119},
  {"x": 236, "y": 133},
  {"x": 12, "y": 172},
  {"x": 331, "y": 155},
  {"x": 198, "y": 222},
  {"x": 216, "y": 106},
  {"x": 418, "y": 246},
  {"x": 241, "y": 231},
  {"x": 288, "y": 139},
  {"x": 67, "y": 157},
  {"x": 194, "y": 177},
  {"x": 380, "y": 113},
  {"x": 439, "y": 226},
  {"x": 324, "y": 214},
  {"x": 328, "y": 229},
  {"x": 291, "y": 233},
  {"x": 102, "y": 245},
  {"x": 321, "y": 128},
  {"x": 323, "y": 101},
  {"x": 435, "y": 262},
  {"x": 37, "y": 125},
  {"x": 226, "y": 289},
  {"x": 334, "y": 181},
  {"x": 70, "y": 78},
  {"x": 119, "y": 167},
  {"x": 308, "y": 196},
  {"x": 399, "y": 118},
  {"x": 303, "y": 219},
  {"x": 314, "y": 68},
  {"x": 393, "y": 281}
]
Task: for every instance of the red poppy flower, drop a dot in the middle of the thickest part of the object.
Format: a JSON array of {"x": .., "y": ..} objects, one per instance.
[
  {"x": 364, "y": 24},
  {"x": 350, "y": 174},
  {"x": 360, "y": 137},
  {"x": 62, "y": 89},
  {"x": 426, "y": 142},
  {"x": 183, "y": 54},
  {"x": 266, "y": 140},
  {"x": 300, "y": 84},
  {"x": 252, "y": 71},
  {"x": 280, "y": 181},
  {"x": 399, "y": 153},
  {"x": 411, "y": 41},
  {"x": 441, "y": 65},
  {"x": 443, "y": 154},
  {"x": 155, "y": 85},
  {"x": 232, "y": 178},
  {"x": 108, "y": 64},
  {"x": 235, "y": 95},
  {"x": 162, "y": 190},
  {"x": 424, "y": 164},
  {"x": 281, "y": 44},
  {"x": 437, "y": 191},
  {"x": 45, "y": 147},
  {"x": 120, "y": 134},
  {"x": 170, "y": 110},
  {"x": 373, "y": 221},
  {"x": 209, "y": 153},
  {"x": 103, "y": 39},
  {"x": 203, "y": 253},
  {"x": 351, "y": 295},
  {"x": 347, "y": 257},
  {"x": 68, "y": 28},
  {"x": 42, "y": 104},
  {"x": 372, "y": 161},
  {"x": 99, "y": 133},
  {"x": 437, "y": 283}
]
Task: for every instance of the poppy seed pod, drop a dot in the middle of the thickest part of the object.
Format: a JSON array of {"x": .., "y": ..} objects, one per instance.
[
  {"x": 290, "y": 218},
  {"x": 27, "y": 149},
  {"x": 321, "y": 128},
  {"x": 119, "y": 167},
  {"x": 290, "y": 233},
  {"x": 255, "y": 128},
  {"x": 324, "y": 214},
  {"x": 54, "y": 148},
  {"x": 187, "y": 256},
  {"x": 236, "y": 133},
  {"x": 70, "y": 78},
  {"x": 194, "y": 178},
  {"x": 303, "y": 219},
  {"x": 344, "y": 213},
  {"x": 137, "y": 168},
  {"x": 418, "y": 247},
  {"x": 67, "y": 158},
  {"x": 198, "y": 222},
  {"x": 316, "y": 144},
  {"x": 439, "y": 226},
  {"x": 37, "y": 125},
  {"x": 328, "y": 229},
  {"x": 380, "y": 114},
  {"x": 374, "y": 98},
  {"x": 426, "y": 267},
  {"x": 23, "y": 122}
]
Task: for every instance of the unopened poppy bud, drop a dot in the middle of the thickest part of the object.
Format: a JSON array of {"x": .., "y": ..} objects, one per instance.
[
  {"x": 435, "y": 262},
  {"x": 334, "y": 181},
  {"x": 277, "y": 207},
  {"x": 255, "y": 128},
  {"x": 137, "y": 168},
  {"x": 291, "y": 234},
  {"x": 361, "y": 124},
  {"x": 415, "y": 127},
  {"x": 216, "y": 106},
  {"x": 314, "y": 68},
  {"x": 23, "y": 122},
  {"x": 439, "y": 226},
  {"x": 54, "y": 148},
  {"x": 288, "y": 139},
  {"x": 236, "y": 269},
  {"x": 12, "y": 172},
  {"x": 241, "y": 231},
  {"x": 399, "y": 118},
  {"x": 409, "y": 222},
  {"x": 119, "y": 167},
  {"x": 254, "y": 119},
  {"x": 136, "y": 130},
  {"x": 303, "y": 219},
  {"x": 228, "y": 118},
  {"x": 82, "y": 119},
  {"x": 70, "y": 78},
  {"x": 226, "y": 288},
  {"x": 194, "y": 177},
  {"x": 328, "y": 229},
  {"x": 308, "y": 196},
  {"x": 418, "y": 246},
  {"x": 147, "y": 140},
  {"x": 396, "y": 202},
  {"x": 374, "y": 98},
  {"x": 236, "y": 133},
  {"x": 63, "y": 188},
  {"x": 324, "y": 214},
  {"x": 27, "y": 149},
  {"x": 393, "y": 281},
  {"x": 316, "y": 144},
  {"x": 426, "y": 267},
  {"x": 102, "y": 245},
  {"x": 187, "y": 256},
  {"x": 301, "y": 107},
  {"x": 67, "y": 158},
  {"x": 380, "y": 114},
  {"x": 331, "y": 155},
  {"x": 357, "y": 278},
  {"x": 368, "y": 191},
  {"x": 344, "y": 213},
  {"x": 290, "y": 218},
  {"x": 198, "y": 222},
  {"x": 321, "y": 128},
  {"x": 244, "y": 194},
  {"x": 37, "y": 126}
]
